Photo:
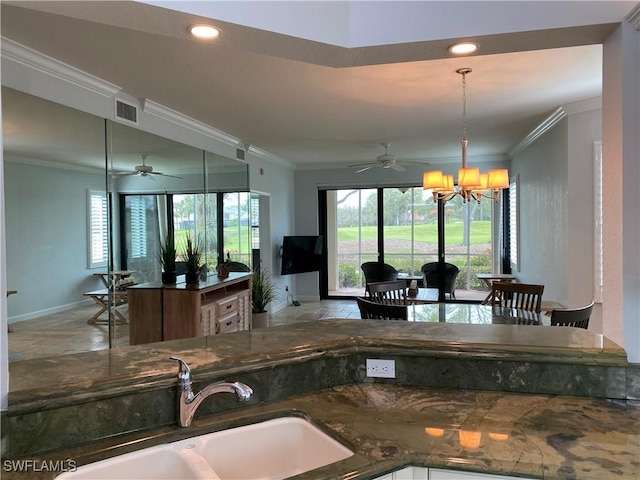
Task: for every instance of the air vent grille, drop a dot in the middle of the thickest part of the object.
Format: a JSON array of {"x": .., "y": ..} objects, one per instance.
[
  {"x": 127, "y": 112},
  {"x": 239, "y": 154}
]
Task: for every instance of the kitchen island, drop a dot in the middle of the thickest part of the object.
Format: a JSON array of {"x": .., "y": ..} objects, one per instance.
[{"x": 542, "y": 402}]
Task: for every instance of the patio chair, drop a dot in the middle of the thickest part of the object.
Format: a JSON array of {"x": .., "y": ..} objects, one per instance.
[
  {"x": 378, "y": 272},
  {"x": 431, "y": 277}
]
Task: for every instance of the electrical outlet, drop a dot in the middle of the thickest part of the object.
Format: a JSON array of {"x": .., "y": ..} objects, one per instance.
[{"x": 381, "y": 368}]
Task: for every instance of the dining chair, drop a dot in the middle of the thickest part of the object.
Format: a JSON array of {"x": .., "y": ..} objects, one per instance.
[
  {"x": 381, "y": 311},
  {"x": 572, "y": 317},
  {"x": 522, "y": 296},
  {"x": 393, "y": 292}
]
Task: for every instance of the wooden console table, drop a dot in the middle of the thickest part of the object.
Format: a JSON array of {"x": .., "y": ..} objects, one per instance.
[{"x": 168, "y": 312}]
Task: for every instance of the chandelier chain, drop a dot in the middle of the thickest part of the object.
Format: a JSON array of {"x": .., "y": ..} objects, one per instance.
[{"x": 464, "y": 105}]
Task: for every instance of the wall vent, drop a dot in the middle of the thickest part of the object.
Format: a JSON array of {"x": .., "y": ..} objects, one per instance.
[
  {"x": 126, "y": 112},
  {"x": 239, "y": 154}
]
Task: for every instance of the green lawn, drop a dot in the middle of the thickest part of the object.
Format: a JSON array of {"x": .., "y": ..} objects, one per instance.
[{"x": 480, "y": 233}]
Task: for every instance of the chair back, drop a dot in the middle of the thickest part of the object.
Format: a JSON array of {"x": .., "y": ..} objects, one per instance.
[
  {"x": 523, "y": 296},
  {"x": 378, "y": 272},
  {"x": 381, "y": 311},
  {"x": 236, "y": 266},
  {"x": 393, "y": 292},
  {"x": 431, "y": 277},
  {"x": 572, "y": 317}
]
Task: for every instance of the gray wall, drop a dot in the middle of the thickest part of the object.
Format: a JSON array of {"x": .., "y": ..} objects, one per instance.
[{"x": 46, "y": 208}]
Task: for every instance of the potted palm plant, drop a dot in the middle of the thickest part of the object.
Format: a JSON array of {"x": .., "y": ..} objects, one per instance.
[
  {"x": 262, "y": 292},
  {"x": 166, "y": 255},
  {"x": 192, "y": 257}
]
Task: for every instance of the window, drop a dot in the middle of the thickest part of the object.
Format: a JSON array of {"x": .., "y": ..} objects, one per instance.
[
  {"x": 514, "y": 224},
  {"x": 97, "y": 244},
  {"x": 598, "y": 274}
]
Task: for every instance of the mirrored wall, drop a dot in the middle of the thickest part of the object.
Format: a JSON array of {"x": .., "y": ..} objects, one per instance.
[{"x": 87, "y": 201}]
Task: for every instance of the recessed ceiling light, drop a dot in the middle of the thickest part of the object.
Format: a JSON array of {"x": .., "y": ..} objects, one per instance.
[
  {"x": 204, "y": 31},
  {"x": 463, "y": 48}
]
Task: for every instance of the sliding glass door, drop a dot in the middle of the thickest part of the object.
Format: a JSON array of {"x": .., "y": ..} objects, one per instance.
[{"x": 400, "y": 226}]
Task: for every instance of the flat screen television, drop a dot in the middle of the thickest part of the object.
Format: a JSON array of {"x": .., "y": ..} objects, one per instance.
[{"x": 301, "y": 253}]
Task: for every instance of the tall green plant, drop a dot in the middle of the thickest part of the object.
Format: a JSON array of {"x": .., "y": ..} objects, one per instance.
[
  {"x": 166, "y": 254},
  {"x": 192, "y": 255},
  {"x": 262, "y": 290}
]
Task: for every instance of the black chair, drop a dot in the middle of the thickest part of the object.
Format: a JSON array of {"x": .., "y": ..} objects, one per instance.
[
  {"x": 378, "y": 272},
  {"x": 431, "y": 277},
  {"x": 381, "y": 311},
  {"x": 236, "y": 266},
  {"x": 393, "y": 292},
  {"x": 572, "y": 317}
]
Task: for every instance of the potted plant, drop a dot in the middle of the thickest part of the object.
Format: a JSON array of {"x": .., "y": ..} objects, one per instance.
[
  {"x": 262, "y": 292},
  {"x": 192, "y": 257},
  {"x": 166, "y": 255}
]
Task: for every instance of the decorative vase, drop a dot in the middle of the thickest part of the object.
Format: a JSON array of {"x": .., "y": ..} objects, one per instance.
[
  {"x": 260, "y": 320},
  {"x": 223, "y": 271},
  {"x": 169, "y": 278},
  {"x": 192, "y": 278}
]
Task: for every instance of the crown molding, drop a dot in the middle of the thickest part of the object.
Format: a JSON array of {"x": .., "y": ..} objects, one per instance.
[
  {"x": 270, "y": 157},
  {"x": 546, "y": 125},
  {"x": 633, "y": 17},
  {"x": 51, "y": 67},
  {"x": 160, "y": 111}
]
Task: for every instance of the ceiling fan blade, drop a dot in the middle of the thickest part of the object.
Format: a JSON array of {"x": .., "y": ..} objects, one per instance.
[
  {"x": 125, "y": 173},
  {"x": 397, "y": 168},
  {"x": 164, "y": 175},
  {"x": 415, "y": 162},
  {"x": 365, "y": 164},
  {"x": 365, "y": 168}
]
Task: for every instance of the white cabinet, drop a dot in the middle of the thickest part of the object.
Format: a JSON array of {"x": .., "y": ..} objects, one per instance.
[{"x": 421, "y": 473}]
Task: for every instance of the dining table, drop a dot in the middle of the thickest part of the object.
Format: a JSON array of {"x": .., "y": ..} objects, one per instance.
[{"x": 475, "y": 314}]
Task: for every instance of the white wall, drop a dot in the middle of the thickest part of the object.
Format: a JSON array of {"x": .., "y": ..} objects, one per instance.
[
  {"x": 276, "y": 180},
  {"x": 621, "y": 177}
]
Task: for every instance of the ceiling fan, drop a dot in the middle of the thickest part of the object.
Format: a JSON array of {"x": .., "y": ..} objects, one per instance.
[
  {"x": 145, "y": 170},
  {"x": 385, "y": 161}
]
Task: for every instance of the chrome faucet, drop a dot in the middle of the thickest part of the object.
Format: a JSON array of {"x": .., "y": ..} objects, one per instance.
[{"x": 189, "y": 402}]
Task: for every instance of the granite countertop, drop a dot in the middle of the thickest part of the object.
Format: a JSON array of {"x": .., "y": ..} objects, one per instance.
[
  {"x": 123, "y": 366},
  {"x": 390, "y": 426}
]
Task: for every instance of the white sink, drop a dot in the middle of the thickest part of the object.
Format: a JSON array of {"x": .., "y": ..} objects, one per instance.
[{"x": 270, "y": 450}]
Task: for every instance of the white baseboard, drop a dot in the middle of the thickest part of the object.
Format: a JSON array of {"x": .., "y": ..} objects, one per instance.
[{"x": 48, "y": 311}]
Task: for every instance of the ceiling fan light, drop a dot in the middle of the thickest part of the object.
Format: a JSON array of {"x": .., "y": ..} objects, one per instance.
[
  {"x": 469, "y": 178},
  {"x": 498, "y": 178},
  {"x": 433, "y": 180}
]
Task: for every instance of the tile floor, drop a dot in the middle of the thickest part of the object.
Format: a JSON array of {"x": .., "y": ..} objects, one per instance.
[{"x": 68, "y": 332}]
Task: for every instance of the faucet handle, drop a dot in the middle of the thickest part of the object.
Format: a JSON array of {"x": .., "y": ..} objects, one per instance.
[{"x": 184, "y": 373}]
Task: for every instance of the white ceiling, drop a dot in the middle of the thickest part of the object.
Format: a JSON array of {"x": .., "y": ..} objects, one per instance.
[{"x": 318, "y": 104}]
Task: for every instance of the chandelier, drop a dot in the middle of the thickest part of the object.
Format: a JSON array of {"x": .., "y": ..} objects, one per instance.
[{"x": 472, "y": 185}]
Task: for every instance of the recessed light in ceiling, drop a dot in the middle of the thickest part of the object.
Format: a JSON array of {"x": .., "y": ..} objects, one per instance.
[
  {"x": 206, "y": 32},
  {"x": 463, "y": 48}
]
